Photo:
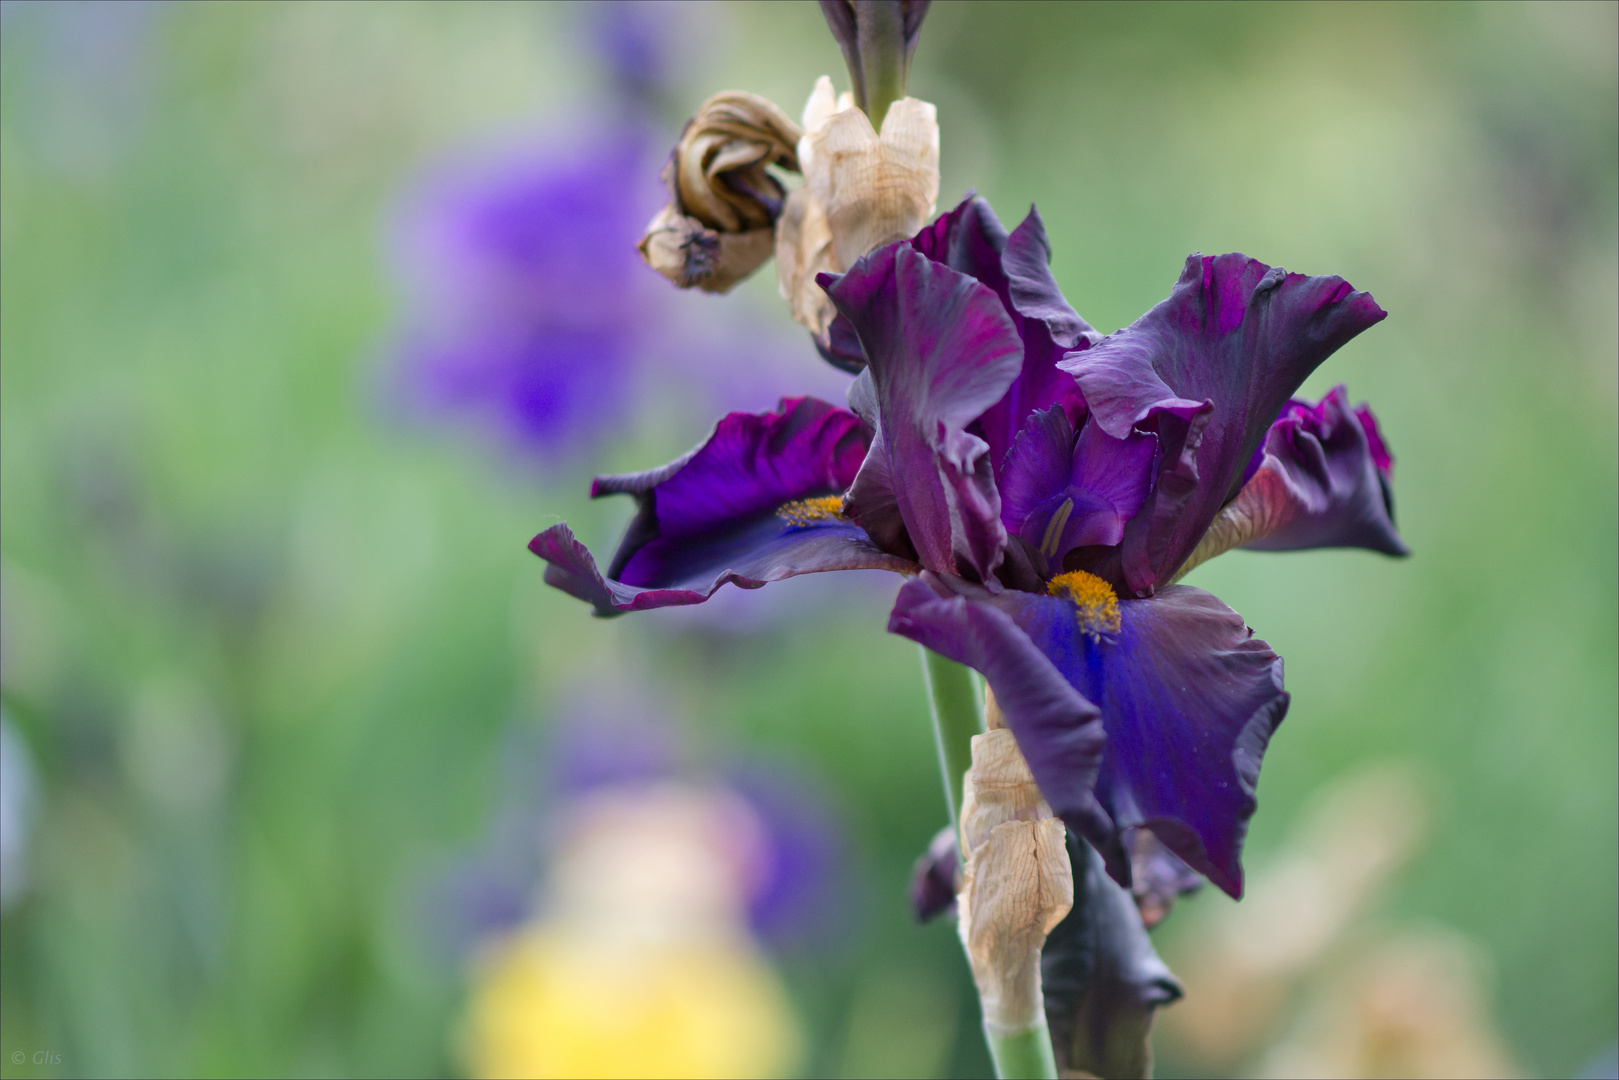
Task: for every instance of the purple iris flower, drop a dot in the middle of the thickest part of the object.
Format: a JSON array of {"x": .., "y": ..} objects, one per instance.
[{"x": 1042, "y": 486}]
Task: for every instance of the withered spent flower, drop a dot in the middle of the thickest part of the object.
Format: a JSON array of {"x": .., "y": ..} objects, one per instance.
[{"x": 719, "y": 224}]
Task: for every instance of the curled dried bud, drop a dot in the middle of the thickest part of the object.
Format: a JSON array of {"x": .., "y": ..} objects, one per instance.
[
  {"x": 719, "y": 225},
  {"x": 1016, "y": 884},
  {"x": 861, "y": 190}
]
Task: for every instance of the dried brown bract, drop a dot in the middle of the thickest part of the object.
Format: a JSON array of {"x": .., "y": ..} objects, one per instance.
[{"x": 862, "y": 189}]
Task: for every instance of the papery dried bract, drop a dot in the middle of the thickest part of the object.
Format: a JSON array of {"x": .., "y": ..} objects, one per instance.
[
  {"x": 862, "y": 189},
  {"x": 1016, "y": 884}
]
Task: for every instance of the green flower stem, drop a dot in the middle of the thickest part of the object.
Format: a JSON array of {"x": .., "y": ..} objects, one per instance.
[
  {"x": 958, "y": 715},
  {"x": 1026, "y": 1055}
]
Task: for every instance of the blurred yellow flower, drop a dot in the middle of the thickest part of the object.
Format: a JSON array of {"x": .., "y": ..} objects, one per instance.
[
  {"x": 643, "y": 965},
  {"x": 549, "y": 1004}
]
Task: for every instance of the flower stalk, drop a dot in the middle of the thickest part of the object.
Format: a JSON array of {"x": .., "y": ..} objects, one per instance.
[
  {"x": 1016, "y": 883},
  {"x": 956, "y": 702}
]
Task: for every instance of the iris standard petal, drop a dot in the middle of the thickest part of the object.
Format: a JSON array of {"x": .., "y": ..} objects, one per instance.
[
  {"x": 1319, "y": 485},
  {"x": 1188, "y": 697},
  {"x": 1209, "y": 369},
  {"x": 1374, "y": 440},
  {"x": 1049, "y": 329},
  {"x": 972, "y": 240},
  {"x": 1058, "y": 730},
  {"x": 1060, "y": 493},
  {"x": 941, "y": 349},
  {"x": 757, "y": 502}
]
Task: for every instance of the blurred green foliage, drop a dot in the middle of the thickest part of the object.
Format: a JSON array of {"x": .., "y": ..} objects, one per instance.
[{"x": 266, "y": 644}]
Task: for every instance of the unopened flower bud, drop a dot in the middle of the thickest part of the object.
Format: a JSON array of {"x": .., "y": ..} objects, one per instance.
[{"x": 719, "y": 224}]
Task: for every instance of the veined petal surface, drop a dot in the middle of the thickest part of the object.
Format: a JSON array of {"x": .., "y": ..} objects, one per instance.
[
  {"x": 1187, "y": 697},
  {"x": 1058, "y": 730}
]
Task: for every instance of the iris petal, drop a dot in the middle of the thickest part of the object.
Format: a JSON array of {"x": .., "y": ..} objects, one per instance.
[
  {"x": 1187, "y": 696},
  {"x": 941, "y": 349},
  {"x": 1058, "y": 730},
  {"x": 1320, "y": 484},
  {"x": 1059, "y": 493},
  {"x": 757, "y": 502},
  {"x": 1209, "y": 369},
  {"x": 1017, "y": 267}
]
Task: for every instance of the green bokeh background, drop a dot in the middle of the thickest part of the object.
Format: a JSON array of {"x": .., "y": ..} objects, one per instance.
[{"x": 216, "y": 543}]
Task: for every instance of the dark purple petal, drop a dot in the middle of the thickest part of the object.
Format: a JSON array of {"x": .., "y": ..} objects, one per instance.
[
  {"x": 1189, "y": 698},
  {"x": 1102, "y": 979},
  {"x": 1110, "y": 480},
  {"x": 1057, "y": 729},
  {"x": 750, "y": 558},
  {"x": 1037, "y": 471},
  {"x": 1049, "y": 328},
  {"x": 971, "y": 239},
  {"x": 873, "y": 505},
  {"x": 750, "y": 465},
  {"x": 841, "y": 348},
  {"x": 1059, "y": 493},
  {"x": 1319, "y": 484},
  {"x": 1034, "y": 291},
  {"x": 1209, "y": 369},
  {"x": 941, "y": 349},
  {"x": 1374, "y": 441},
  {"x": 757, "y": 502}
]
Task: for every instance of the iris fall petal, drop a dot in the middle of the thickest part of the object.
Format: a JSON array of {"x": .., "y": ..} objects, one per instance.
[{"x": 757, "y": 502}]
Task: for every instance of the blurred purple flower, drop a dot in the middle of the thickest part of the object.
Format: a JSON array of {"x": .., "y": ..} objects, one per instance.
[
  {"x": 526, "y": 303},
  {"x": 526, "y": 310},
  {"x": 795, "y": 899}
]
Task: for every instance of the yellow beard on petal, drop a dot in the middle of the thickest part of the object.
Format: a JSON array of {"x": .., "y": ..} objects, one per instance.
[
  {"x": 806, "y": 512},
  {"x": 1096, "y": 605}
]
